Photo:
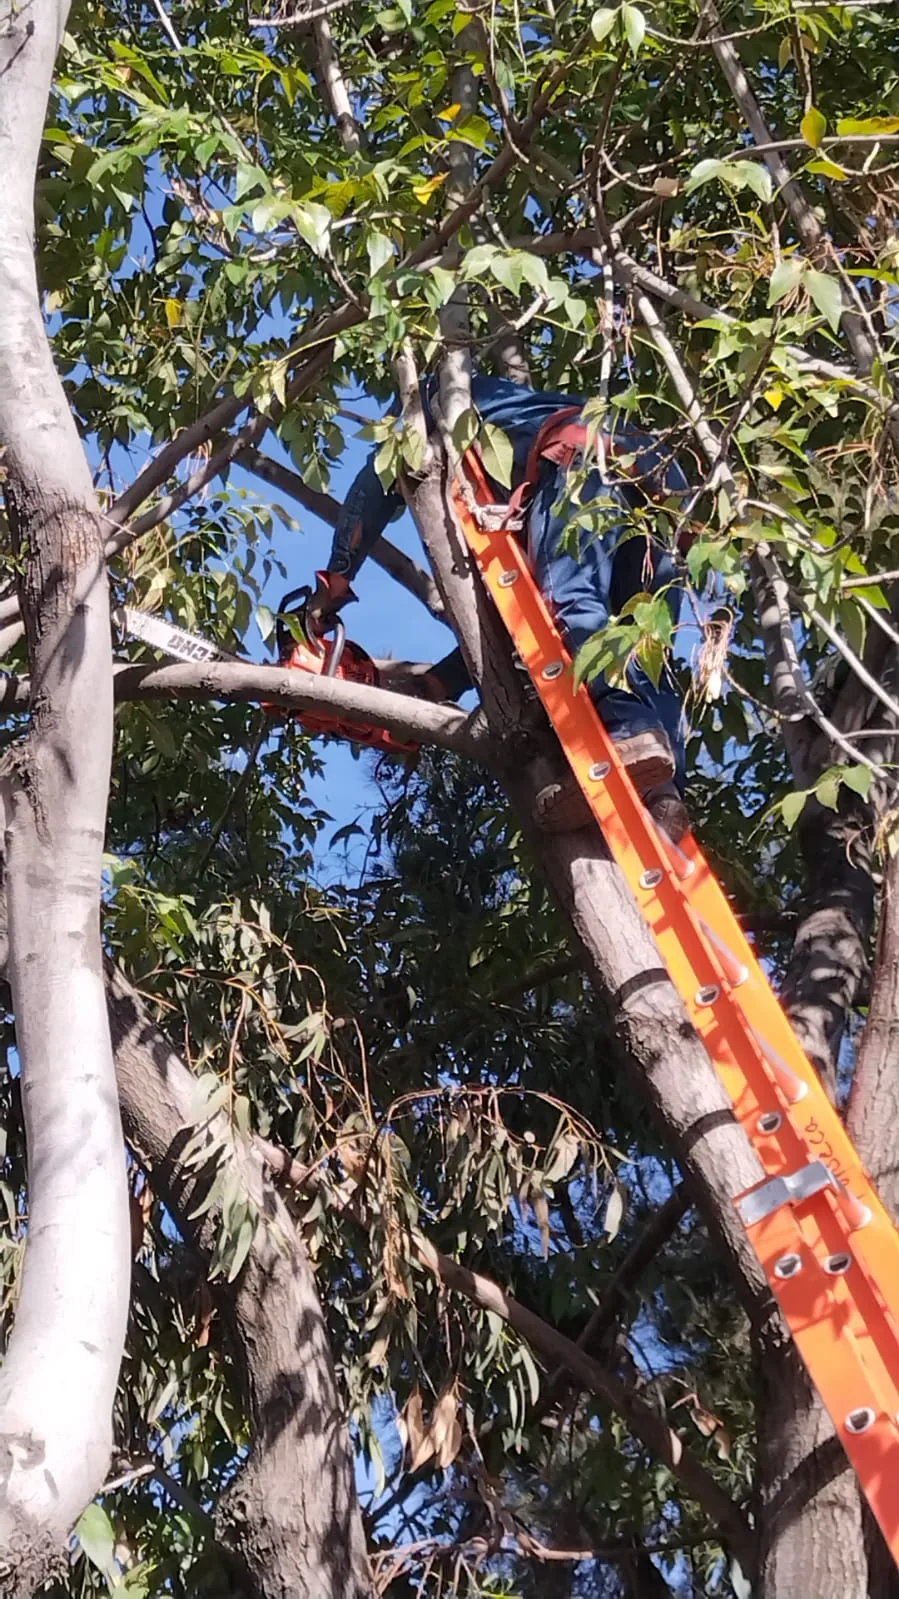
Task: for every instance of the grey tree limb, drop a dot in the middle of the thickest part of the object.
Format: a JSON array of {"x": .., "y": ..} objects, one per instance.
[
  {"x": 292, "y": 1514},
  {"x": 60, "y": 1371}
]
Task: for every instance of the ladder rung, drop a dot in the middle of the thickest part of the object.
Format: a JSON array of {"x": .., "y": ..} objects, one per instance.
[
  {"x": 733, "y": 969},
  {"x": 789, "y": 1082}
]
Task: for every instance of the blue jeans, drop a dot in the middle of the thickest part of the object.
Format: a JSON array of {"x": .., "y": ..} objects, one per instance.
[{"x": 583, "y": 591}]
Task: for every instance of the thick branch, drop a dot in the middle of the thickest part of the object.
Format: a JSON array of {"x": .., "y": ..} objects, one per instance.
[
  {"x": 408, "y": 719},
  {"x": 61, "y": 1365},
  {"x": 292, "y": 1513}
]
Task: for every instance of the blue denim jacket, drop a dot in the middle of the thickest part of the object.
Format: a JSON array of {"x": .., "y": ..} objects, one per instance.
[{"x": 520, "y": 412}]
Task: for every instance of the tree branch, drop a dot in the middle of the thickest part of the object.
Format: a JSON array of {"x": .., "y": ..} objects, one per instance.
[
  {"x": 641, "y": 1419},
  {"x": 811, "y": 234},
  {"x": 307, "y": 1542},
  {"x": 388, "y": 556},
  {"x": 410, "y": 719}
]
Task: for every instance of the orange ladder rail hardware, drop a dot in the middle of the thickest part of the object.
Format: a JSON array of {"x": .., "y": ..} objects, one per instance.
[{"x": 828, "y": 1247}]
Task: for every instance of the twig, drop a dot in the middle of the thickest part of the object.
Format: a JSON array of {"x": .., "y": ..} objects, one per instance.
[
  {"x": 164, "y": 18},
  {"x": 299, "y": 19}
]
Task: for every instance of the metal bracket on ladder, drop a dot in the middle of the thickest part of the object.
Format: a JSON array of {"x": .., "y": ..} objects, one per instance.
[{"x": 796, "y": 1186}]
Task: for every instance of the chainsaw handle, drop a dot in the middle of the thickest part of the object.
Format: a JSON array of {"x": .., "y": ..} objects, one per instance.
[
  {"x": 336, "y": 653},
  {"x": 327, "y": 625}
]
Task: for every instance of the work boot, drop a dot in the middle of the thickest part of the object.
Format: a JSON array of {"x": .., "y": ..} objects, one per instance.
[
  {"x": 648, "y": 757},
  {"x": 667, "y": 809},
  {"x": 560, "y": 805}
]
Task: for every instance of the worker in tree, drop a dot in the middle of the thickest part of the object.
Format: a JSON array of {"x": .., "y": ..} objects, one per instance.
[{"x": 587, "y": 577}]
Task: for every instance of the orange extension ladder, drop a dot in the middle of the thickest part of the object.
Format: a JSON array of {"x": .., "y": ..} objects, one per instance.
[{"x": 829, "y": 1249}]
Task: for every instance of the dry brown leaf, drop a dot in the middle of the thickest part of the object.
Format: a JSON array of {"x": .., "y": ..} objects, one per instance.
[{"x": 421, "y": 1446}]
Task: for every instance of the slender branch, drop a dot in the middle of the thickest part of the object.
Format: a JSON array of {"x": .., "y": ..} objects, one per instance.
[
  {"x": 641, "y": 1419},
  {"x": 812, "y": 235},
  {"x": 334, "y": 86},
  {"x": 793, "y": 699},
  {"x": 213, "y": 422},
  {"x": 247, "y": 438},
  {"x": 745, "y": 152},
  {"x": 299, "y": 19},
  {"x": 640, "y": 1255},
  {"x": 388, "y": 556}
]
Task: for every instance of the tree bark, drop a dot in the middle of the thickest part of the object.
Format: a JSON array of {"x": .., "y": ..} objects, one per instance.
[
  {"x": 292, "y": 1516},
  {"x": 59, "y": 1377}
]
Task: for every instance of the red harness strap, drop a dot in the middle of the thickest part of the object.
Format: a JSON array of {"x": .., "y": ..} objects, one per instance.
[{"x": 562, "y": 437}]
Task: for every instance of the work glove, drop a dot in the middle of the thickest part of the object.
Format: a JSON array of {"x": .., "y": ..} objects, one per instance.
[{"x": 331, "y": 593}]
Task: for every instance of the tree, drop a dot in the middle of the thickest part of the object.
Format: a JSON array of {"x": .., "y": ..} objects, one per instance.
[{"x": 242, "y": 219}]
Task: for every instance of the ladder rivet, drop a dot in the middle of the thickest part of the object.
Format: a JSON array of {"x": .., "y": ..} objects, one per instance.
[
  {"x": 652, "y": 878},
  {"x": 769, "y": 1121},
  {"x": 837, "y": 1264},
  {"x": 554, "y": 669},
  {"x": 598, "y": 771},
  {"x": 506, "y": 579},
  {"x": 860, "y": 1420},
  {"x": 707, "y": 995},
  {"x": 787, "y": 1266}
]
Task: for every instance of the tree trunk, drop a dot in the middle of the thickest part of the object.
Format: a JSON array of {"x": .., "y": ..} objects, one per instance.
[
  {"x": 292, "y": 1516},
  {"x": 829, "y": 956},
  {"x": 59, "y": 1378}
]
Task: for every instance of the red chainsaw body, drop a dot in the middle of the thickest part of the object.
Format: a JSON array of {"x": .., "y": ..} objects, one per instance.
[{"x": 336, "y": 657}]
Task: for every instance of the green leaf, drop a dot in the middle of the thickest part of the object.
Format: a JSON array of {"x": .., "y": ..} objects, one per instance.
[
  {"x": 792, "y": 806},
  {"x": 313, "y": 222},
  {"x": 634, "y": 24},
  {"x": 445, "y": 283},
  {"x": 242, "y": 1246},
  {"x": 827, "y": 169},
  {"x": 465, "y": 430},
  {"x": 734, "y": 174},
  {"x": 380, "y": 252},
  {"x": 827, "y": 791},
  {"x": 265, "y": 622},
  {"x": 858, "y": 778},
  {"x": 602, "y": 22},
  {"x": 386, "y": 461},
  {"x": 785, "y": 277},
  {"x": 497, "y": 453},
  {"x": 756, "y": 178},
  {"x": 827, "y": 295},
  {"x": 96, "y": 1536},
  {"x": 813, "y": 127},
  {"x": 868, "y": 125},
  {"x": 475, "y": 131}
]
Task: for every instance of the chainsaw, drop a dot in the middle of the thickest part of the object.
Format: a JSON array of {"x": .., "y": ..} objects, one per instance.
[{"x": 321, "y": 648}]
